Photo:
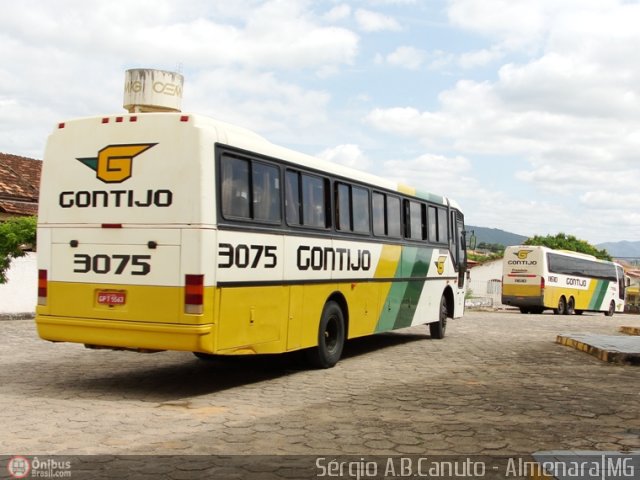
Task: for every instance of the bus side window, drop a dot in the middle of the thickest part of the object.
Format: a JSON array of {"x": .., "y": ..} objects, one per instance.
[
  {"x": 432, "y": 226},
  {"x": 292, "y": 197},
  {"x": 266, "y": 192},
  {"x": 394, "y": 226},
  {"x": 378, "y": 202},
  {"x": 313, "y": 201},
  {"x": 360, "y": 207},
  {"x": 416, "y": 222},
  {"x": 343, "y": 207},
  {"x": 442, "y": 226},
  {"x": 235, "y": 187}
]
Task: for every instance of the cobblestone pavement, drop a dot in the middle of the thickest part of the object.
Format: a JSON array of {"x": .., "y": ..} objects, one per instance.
[{"x": 497, "y": 384}]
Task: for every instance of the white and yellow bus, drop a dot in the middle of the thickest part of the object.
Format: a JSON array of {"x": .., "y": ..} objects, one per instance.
[
  {"x": 173, "y": 231},
  {"x": 538, "y": 278}
]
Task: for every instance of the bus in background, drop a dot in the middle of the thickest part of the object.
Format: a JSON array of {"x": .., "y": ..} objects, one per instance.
[
  {"x": 538, "y": 278},
  {"x": 160, "y": 230}
]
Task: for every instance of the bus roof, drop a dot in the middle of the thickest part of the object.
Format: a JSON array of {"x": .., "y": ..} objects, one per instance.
[
  {"x": 243, "y": 138},
  {"x": 568, "y": 253}
]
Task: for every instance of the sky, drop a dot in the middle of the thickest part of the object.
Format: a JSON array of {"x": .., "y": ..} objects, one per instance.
[{"x": 526, "y": 112}]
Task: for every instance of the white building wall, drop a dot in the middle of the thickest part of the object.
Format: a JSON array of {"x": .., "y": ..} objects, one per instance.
[
  {"x": 486, "y": 283},
  {"x": 19, "y": 294}
]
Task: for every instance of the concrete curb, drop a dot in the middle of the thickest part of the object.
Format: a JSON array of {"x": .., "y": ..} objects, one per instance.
[
  {"x": 608, "y": 348},
  {"x": 630, "y": 330}
]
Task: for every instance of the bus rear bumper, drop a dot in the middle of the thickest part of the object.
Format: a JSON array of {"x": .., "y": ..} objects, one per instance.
[
  {"x": 522, "y": 301},
  {"x": 142, "y": 336}
]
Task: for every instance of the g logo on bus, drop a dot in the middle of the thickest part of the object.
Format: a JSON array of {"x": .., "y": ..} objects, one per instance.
[
  {"x": 440, "y": 264},
  {"x": 523, "y": 254},
  {"x": 113, "y": 163}
]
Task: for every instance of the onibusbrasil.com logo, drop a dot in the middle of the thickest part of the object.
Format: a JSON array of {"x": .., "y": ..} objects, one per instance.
[{"x": 21, "y": 467}]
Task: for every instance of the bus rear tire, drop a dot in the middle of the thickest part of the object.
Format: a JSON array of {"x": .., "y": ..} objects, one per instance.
[
  {"x": 439, "y": 328},
  {"x": 571, "y": 306},
  {"x": 612, "y": 309},
  {"x": 562, "y": 306},
  {"x": 331, "y": 336}
]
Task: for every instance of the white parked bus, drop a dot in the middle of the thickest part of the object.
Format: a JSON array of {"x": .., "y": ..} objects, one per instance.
[
  {"x": 538, "y": 278},
  {"x": 173, "y": 231}
]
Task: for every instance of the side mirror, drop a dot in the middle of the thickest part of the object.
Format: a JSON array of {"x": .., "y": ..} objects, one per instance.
[{"x": 472, "y": 239}]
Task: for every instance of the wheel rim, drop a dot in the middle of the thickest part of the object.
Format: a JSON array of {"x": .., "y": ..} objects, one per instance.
[{"x": 330, "y": 334}]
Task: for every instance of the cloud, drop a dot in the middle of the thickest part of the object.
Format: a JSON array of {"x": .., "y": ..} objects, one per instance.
[
  {"x": 437, "y": 174},
  {"x": 273, "y": 34},
  {"x": 236, "y": 58},
  {"x": 479, "y": 58},
  {"x": 568, "y": 108},
  {"x": 349, "y": 155},
  {"x": 339, "y": 12},
  {"x": 369, "y": 21},
  {"x": 259, "y": 101},
  {"x": 407, "y": 57}
]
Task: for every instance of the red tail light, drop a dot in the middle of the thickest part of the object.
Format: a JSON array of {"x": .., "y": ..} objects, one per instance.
[
  {"x": 42, "y": 287},
  {"x": 541, "y": 285},
  {"x": 193, "y": 294}
]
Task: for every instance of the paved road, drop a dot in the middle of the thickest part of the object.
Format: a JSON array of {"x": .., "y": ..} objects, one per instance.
[{"x": 497, "y": 384}]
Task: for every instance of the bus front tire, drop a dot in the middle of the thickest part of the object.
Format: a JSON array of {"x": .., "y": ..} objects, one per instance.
[
  {"x": 331, "y": 336},
  {"x": 439, "y": 328},
  {"x": 612, "y": 309},
  {"x": 571, "y": 306}
]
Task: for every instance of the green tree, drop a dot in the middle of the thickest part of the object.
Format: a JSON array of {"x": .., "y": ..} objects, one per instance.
[
  {"x": 562, "y": 241},
  {"x": 15, "y": 233}
]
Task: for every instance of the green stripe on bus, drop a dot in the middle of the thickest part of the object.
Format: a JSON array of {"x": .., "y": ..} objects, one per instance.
[
  {"x": 430, "y": 197},
  {"x": 598, "y": 294},
  {"x": 403, "y": 297},
  {"x": 420, "y": 268},
  {"x": 397, "y": 291}
]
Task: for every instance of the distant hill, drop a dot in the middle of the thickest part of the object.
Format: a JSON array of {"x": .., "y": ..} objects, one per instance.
[
  {"x": 621, "y": 249},
  {"x": 495, "y": 235}
]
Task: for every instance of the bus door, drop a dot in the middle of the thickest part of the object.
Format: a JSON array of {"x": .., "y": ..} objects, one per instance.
[
  {"x": 458, "y": 246},
  {"x": 621, "y": 282}
]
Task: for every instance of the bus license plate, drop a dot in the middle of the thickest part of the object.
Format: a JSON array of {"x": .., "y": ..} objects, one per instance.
[{"x": 111, "y": 298}]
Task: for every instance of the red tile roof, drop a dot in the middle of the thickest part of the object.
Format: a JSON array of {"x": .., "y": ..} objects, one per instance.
[{"x": 19, "y": 184}]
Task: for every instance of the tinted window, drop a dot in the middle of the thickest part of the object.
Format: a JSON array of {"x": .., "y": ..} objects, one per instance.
[
  {"x": 360, "y": 204},
  {"x": 442, "y": 225},
  {"x": 378, "y": 203},
  {"x": 235, "y": 187},
  {"x": 432, "y": 224},
  {"x": 250, "y": 190},
  {"x": 292, "y": 197},
  {"x": 415, "y": 221},
  {"x": 581, "y": 267},
  {"x": 313, "y": 201},
  {"x": 394, "y": 228},
  {"x": 266, "y": 192},
  {"x": 343, "y": 205}
]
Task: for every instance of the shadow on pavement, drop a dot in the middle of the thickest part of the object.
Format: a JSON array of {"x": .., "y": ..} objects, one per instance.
[{"x": 166, "y": 376}]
